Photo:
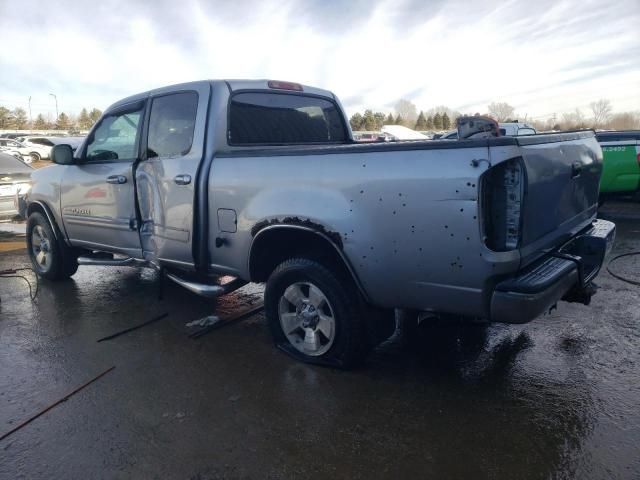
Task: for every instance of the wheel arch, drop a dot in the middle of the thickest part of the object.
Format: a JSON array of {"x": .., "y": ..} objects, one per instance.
[
  {"x": 43, "y": 208},
  {"x": 275, "y": 243}
]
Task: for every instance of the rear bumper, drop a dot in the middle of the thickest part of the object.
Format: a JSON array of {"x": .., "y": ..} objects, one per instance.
[{"x": 564, "y": 274}]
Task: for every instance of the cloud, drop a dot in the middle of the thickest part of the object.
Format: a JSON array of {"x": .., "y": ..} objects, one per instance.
[{"x": 542, "y": 57}]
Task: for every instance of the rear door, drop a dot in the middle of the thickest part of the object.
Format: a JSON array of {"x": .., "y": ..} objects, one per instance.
[
  {"x": 166, "y": 178},
  {"x": 98, "y": 193}
]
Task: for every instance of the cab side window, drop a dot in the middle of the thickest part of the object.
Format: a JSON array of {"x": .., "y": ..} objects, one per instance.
[
  {"x": 171, "y": 124},
  {"x": 115, "y": 138}
]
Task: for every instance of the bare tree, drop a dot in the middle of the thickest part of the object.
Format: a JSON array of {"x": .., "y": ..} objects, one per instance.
[
  {"x": 625, "y": 121},
  {"x": 601, "y": 112},
  {"x": 501, "y": 111},
  {"x": 407, "y": 112},
  {"x": 573, "y": 121}
]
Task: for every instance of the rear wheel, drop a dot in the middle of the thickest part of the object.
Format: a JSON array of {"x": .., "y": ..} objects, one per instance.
[
  {"x": 50, "y": 258},
  {"x": 34, "y": 156},
  {"x": 315, "y": 314}
]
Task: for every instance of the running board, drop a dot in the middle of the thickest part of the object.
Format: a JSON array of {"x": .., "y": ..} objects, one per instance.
[
  {"x": 206, "y": 289},
  {"x": 115, "y": 262}
]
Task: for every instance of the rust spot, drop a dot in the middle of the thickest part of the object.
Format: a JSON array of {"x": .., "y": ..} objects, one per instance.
[{"x": 333, "y": 236}]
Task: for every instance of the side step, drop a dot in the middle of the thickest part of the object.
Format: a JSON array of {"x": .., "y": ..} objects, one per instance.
[
  {"x": 206, "y": 289},
  {"x": 109, "y": 259}
]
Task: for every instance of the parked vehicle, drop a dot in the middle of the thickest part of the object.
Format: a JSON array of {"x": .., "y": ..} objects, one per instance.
[
  {"x": 510, "y": 129},
  {"x": 36, "y": 148},
  {"x": 15, "y": 149},
  {"x": 261, "y": 181},
  {"x": 39, "y": 148},
  {"x": 15, "y": 182},
  {"x": 400, "y": 132},
  {"x": 621, "y": 164}
]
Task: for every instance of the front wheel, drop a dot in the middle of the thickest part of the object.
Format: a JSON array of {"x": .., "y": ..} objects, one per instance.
[
  {"x": 315, "y": 315},
  {"x": 34, "y": 156},
  {"x": 50, "y": 258}
]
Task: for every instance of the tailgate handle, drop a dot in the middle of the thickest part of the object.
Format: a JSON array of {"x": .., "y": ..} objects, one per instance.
[
  {"x": 117, "y": 179},
  {"x": 576, "y": 169}
]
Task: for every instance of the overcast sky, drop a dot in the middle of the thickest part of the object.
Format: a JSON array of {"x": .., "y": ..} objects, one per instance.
[{"x": 540, "y": 56}]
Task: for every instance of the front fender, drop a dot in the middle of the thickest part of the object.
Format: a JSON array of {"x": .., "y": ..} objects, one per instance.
[{"x": 45, "y": 193}]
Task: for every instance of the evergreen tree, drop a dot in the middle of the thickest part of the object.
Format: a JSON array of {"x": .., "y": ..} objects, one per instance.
[
  {"x": 356, "y": 122},
  {"x": 399, "y": 120},
  {"x": 19, "y": 118},
  {"x": 5, "y": 117},
  {"x": 63, "y": 122},
  {"x": 437, "y": 121},
  {"x": 84, "y": 121},
  {"x": 389, "y": 120},
  {"x": 429, "y": 122},
  {"x": 95, "y": 115},
  {"x": 421, "y": 123},
  {"x": 379, "y": 117},
  {"x": 446, "y": 122},
  {"x": 40, "y": 123},
  {"x": 369, "y": 121}
]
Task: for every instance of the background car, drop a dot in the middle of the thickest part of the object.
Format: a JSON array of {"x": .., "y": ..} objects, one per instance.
[
  {"x": 39, "y": 147},
  {"x": 14, "y": 148},
  {"x": 15, "y": 182}
]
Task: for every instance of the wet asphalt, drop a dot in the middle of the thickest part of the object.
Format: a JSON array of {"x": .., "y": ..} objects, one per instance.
[{"x": 556, "y": 398}]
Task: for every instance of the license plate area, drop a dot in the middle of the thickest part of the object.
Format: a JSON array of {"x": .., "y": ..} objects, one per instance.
[{"x": 6, "y": 190}]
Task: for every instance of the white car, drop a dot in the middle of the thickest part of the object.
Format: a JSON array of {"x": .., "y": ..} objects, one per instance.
[
  {"x": 37, "y": 148},
  {"x": 15, "y": 149},
  {"x": 398, "y": 132}
]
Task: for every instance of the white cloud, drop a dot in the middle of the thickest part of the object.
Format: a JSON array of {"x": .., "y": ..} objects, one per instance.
[{"x": 547, "y": 57}]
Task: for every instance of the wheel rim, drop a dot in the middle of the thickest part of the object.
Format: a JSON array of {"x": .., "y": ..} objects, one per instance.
[
  {"x": 307, "y": 319},
  {"x": 34, "y": 157},
  {"x": 41, "y": 248}
]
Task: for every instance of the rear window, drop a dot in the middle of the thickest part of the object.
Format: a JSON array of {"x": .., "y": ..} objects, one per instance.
[
  {"x": 42, "y": 141},
  {"x": 258, "y": 118}
]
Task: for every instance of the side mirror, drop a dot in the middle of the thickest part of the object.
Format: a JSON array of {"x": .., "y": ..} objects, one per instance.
[{"x": 62, "y": 155}]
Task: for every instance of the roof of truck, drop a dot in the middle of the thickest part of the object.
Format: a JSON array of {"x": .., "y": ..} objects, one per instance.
[{"x": 232, "y": 84}]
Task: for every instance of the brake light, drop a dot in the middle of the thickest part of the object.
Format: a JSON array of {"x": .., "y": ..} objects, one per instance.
[
  {"x": 638, "y": 158},
  {"x": 278, "y": 85},
  {"x": 502, "y": 197}
]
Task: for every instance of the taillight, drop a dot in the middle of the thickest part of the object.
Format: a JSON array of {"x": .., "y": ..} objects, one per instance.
[
  {"x": 502, "y": 194},
  {"x": 277, "y": 84}
]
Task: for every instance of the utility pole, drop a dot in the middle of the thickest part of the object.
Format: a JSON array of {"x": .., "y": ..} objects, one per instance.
[
  {"x": 56, "y": 99},
  {"x": 30, "y": 119}
]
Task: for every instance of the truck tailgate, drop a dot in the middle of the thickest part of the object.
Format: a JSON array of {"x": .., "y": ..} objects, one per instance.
[{"x": 562, "y": 175}]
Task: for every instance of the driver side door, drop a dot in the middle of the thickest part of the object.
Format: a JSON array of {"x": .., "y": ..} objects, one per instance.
[{"x": 98, "y": 192}]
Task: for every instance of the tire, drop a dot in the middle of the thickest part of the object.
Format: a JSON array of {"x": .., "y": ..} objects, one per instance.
[
  {"x": 50, "y": 258},
  {"x": 35, "y": 157},
  {"x": 323, "y": 314}
]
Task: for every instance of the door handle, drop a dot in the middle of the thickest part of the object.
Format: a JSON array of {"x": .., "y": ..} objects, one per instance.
[
  {"x": 576, "y": 169},
  {"x": 117, "y": 179},
  {"x": 182, "y": 179}
]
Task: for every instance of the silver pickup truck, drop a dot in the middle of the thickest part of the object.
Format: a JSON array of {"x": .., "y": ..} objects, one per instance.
[{"x": 261, "y": 181}]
